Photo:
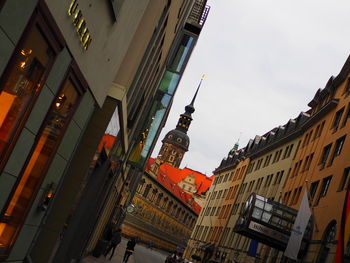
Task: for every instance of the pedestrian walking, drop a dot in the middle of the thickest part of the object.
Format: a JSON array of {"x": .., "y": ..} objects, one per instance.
[
  {"x": 173, "y": 258},
  {"x": 130, "y": 247},
  {"x": 113, "y": 243}
]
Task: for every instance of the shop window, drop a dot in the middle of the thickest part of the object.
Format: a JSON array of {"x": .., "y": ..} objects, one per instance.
[
  {"x": 32, "y": 175},
  {"x": 21, "y": 84}
]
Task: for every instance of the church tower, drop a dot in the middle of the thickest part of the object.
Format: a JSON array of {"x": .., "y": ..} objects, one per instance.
[{"x": 176, "y": 141}]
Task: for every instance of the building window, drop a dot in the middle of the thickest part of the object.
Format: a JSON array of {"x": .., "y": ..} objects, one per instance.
[
  {"x": 296, "y": 196},
  {"x": 225, "y": 193},
  {"x": 308, "y": 161},
  {"x": 338, "y": 147},
  {"x": 32, "y": 175},
  {"x": 324, "y": 188},
  {"x": 327, "y": 243},
  {"x": 218, "y": 211},
  {"x": 297, "y": 167},
  {"x": 23, "y": 81},
  {"x": 325, "y": 154},
  {"x": 279, "y": 179},
  {"x": 347, "y": 115},
  {"x": 313, "y": 189},
  {"x": 226, "y": 177},
  {"x": 145, "y": 193},
  {"x": 337, "y": 119},
  {"x": 219, "y": 195},
  {"x": 231, "y": 176},
  {"x": 344, "y": 183},
  {"x": 159, "y": 198}
]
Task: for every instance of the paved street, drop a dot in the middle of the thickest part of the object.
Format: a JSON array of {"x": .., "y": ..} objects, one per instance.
[{"x": 142, "y": 254}]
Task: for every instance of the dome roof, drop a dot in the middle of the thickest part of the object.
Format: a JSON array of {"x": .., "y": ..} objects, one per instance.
[{"x": 177, "y": 138}]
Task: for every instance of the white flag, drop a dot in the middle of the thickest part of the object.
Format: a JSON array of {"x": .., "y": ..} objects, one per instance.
[{"x": 298, "y": 229}]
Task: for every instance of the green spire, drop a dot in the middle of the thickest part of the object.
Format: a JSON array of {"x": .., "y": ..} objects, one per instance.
[{"x": 235, "y": 147}]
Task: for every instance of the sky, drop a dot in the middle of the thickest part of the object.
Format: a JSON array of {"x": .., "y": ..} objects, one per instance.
[{"x": 264, "y": 62}]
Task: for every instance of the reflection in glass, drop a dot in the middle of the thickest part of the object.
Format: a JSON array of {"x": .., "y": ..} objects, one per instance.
[
  {"x": 266, "y": 217},
  {"x": 259, "y": 203},
  {"x": 159, "y": 108},
  {"x": 182, "y": 53},
  {"x": 21, "y": 83},
  {"x": 169, "y": 82},
  {"x": 141, "y": 150},
  {"x": 257, "y": 213},
  {"x": 34, "y": 172}
]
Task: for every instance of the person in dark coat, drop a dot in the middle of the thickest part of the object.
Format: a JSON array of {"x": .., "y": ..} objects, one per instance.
[
  {"x": 173, "y": 258},
  {"x": 130, "y": 247},
  {"x": 113, "y": 243}
]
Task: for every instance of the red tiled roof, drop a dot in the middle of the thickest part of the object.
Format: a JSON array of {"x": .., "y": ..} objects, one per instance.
[
  {"x": 170, "y": 177},
  {"x": 177, "y": 175}
]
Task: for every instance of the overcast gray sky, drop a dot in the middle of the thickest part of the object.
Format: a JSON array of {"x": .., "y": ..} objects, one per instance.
[{"x": 264, "y": 61}]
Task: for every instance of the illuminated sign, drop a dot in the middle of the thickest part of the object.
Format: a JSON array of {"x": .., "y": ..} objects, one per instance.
[
  {"x": 79, "y": 23},
  {"x": 268, "y": 232}
]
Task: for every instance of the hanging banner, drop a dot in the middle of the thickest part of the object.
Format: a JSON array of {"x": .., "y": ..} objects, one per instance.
[{"x": 298, "y": 229}]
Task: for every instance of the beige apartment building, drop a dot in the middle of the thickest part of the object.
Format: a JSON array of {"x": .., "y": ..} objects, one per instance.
[
  {"x": 270, "y": 156},
  {"x": 262, "y": 168},
  {"x": 212, "y": 220}
]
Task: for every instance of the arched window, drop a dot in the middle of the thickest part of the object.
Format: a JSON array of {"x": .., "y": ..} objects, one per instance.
[
  {"x": 145, "y": 193},
  {"x": 173, "y": 212},
  {"x": 178, "y": 212},
  {"x": 154, "y": 192},
  {"x": 327, "y": 243},
  {"x": 165, "y": 201},
  {"x": 170, "y": 204},
  {"x": 140, "y": 186},
  {"x": 160, "y": 195}
]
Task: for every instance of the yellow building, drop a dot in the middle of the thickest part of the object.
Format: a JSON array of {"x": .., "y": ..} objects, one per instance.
[{"x": 321, "y": 165}]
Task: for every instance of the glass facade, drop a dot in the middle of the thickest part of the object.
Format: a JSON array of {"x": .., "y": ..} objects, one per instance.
[
  {"x": 162, "y": 101},
  {"x": 32, "y": 175},
  {"x": 21, "y": 84}
]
